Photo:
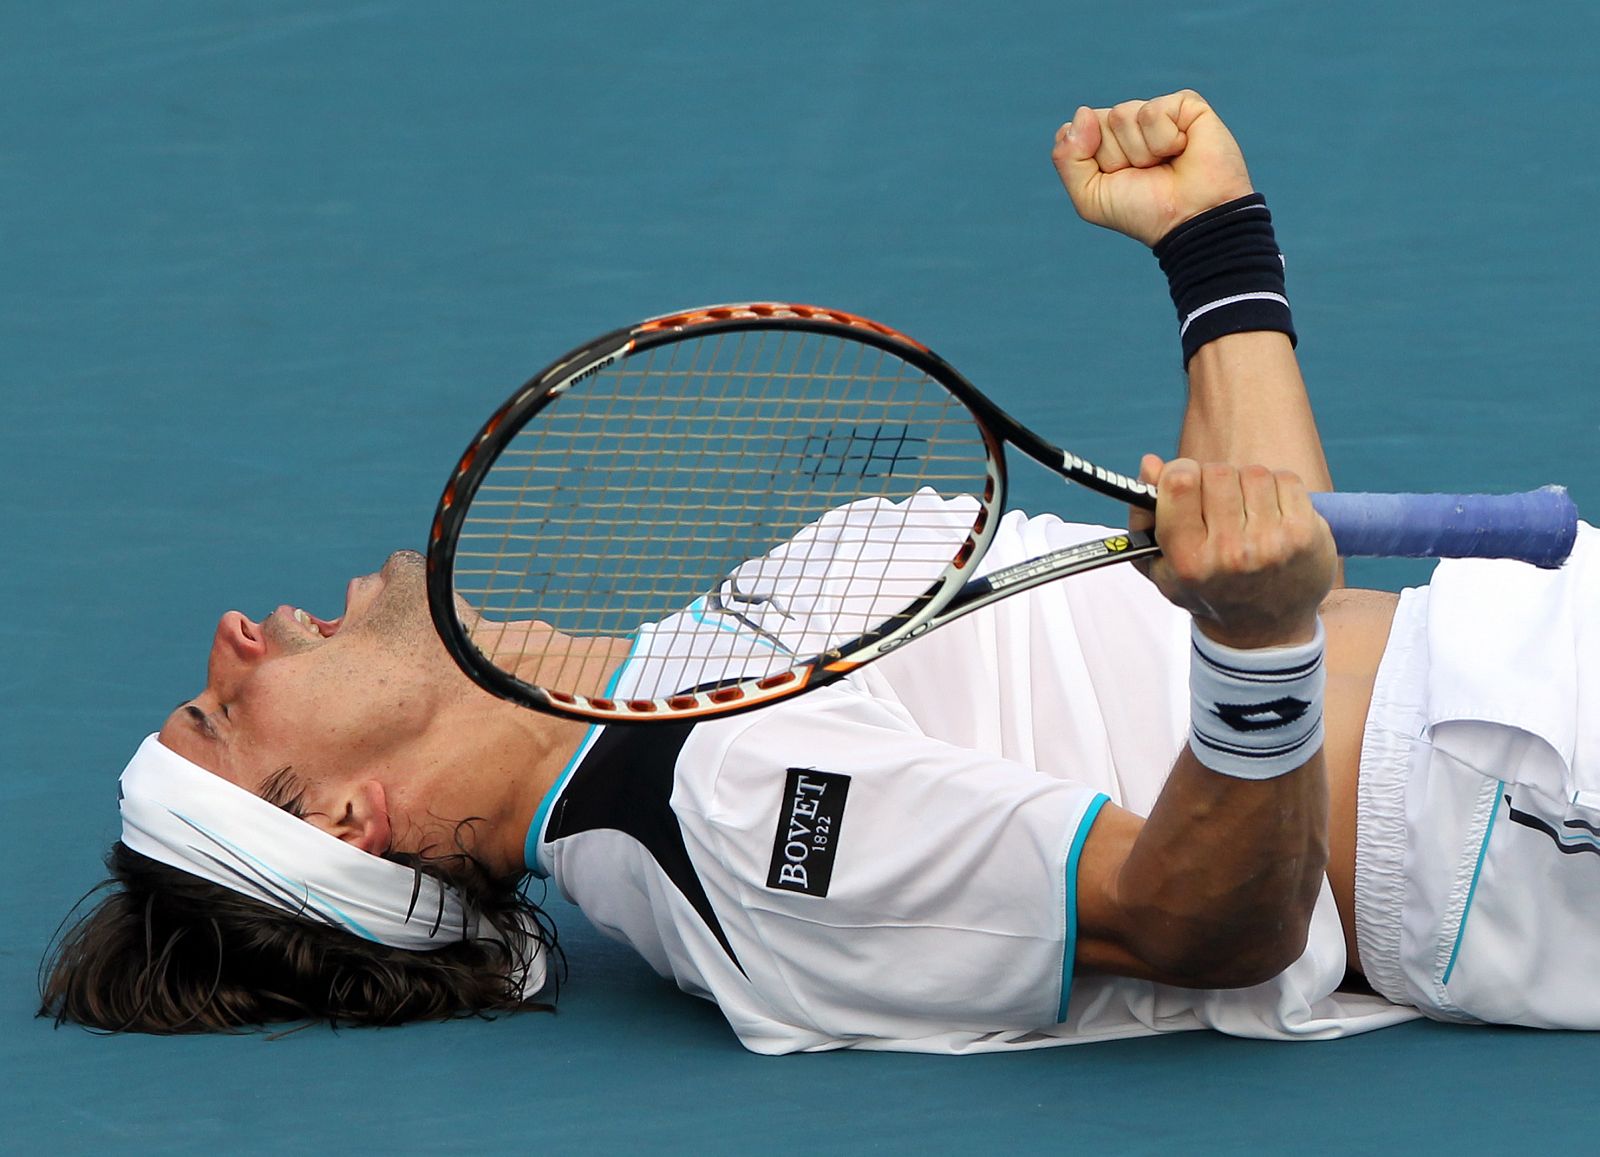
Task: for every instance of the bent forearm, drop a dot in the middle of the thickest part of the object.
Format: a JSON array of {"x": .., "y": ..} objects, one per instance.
[
  {"x": 1248, "y": 403},
  {"x": 1218, "y": 888}
]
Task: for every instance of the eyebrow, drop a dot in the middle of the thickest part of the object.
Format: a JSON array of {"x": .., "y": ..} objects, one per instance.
[{"x": 202, "y": 721}]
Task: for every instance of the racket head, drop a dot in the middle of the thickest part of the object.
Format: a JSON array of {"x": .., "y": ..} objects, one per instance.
[{"x": 633, "y": 480}]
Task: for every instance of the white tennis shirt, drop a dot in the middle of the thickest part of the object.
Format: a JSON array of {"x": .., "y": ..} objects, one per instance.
[{"x": 891, "y": 862}]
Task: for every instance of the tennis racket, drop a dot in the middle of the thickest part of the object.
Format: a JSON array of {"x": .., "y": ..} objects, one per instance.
[{"x": 716, "y": 509}]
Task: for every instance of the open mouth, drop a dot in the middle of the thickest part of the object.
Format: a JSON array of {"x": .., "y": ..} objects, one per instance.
[
  {"x": 322, "y": 628},
  {"x": 359, "y": 595}
]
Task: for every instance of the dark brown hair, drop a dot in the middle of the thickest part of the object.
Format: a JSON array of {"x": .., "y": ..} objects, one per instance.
[{"x": 163, "y": 951}]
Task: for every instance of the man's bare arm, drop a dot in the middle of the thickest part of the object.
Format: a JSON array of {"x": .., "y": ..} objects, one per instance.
[
  {"x": 1216, "y": 887},
  {"x": 1143, "y": 168},
  {"x": 1248, "y": 403}
]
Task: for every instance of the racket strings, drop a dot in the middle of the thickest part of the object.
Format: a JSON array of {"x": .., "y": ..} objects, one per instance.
[{"x": 750, "y": 489}]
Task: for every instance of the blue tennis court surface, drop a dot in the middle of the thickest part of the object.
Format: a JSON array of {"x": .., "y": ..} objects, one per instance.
[{"x": 265, "y": 267}]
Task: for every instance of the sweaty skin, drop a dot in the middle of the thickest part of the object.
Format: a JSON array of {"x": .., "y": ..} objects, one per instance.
[{"x": 391, "y": 745}]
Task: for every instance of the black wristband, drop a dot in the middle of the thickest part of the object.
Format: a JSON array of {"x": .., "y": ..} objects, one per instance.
[{"x": 1225, "y": 274}]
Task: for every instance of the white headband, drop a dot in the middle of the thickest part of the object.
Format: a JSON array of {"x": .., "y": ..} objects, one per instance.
[{"x": 177, "y": 812}]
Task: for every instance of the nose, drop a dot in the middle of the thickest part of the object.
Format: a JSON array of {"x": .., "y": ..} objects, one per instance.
[{"x": 237, "y": 647}]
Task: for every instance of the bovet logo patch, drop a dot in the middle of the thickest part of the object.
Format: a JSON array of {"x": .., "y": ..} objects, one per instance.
[{"x": 808, "y": 831}]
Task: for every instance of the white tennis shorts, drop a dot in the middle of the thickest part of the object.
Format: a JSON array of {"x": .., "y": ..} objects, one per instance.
[{"x": 1478, "y": 834}]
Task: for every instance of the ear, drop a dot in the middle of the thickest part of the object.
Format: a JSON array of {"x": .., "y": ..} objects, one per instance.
[{"x": 365, "y": 822}]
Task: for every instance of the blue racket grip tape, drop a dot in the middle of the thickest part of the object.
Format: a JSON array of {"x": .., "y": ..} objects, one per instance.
[{"x": 1537, "y": 526}]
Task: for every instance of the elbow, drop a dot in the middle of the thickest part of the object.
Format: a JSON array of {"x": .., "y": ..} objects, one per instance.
[
  {"x": 1201, "y": 914},
  {"x": 1195, "y": 953},
  {"x": 1198, "y": 931},
  {"x": 1253, "y": 964}
]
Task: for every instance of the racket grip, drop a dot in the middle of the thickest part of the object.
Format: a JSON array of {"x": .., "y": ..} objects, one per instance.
[{"x": 1536, "y": 526}]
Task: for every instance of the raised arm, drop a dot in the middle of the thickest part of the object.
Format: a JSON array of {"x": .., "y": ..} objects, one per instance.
[
  {"x": 1143, "y": 168},
  {"x": 1215, "y": 888}
]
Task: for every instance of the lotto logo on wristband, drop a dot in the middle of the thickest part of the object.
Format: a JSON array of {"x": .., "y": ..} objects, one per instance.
[
  {"x": 809, "y": 821},
  {"x": 1255, "y": 714},
  {"x": 1260, "y": 716}
]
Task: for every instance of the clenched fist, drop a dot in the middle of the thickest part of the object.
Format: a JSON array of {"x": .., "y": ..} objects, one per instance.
[
  {"x": 1144, "y": 167},
  {"x": 1242, "y": 550}
]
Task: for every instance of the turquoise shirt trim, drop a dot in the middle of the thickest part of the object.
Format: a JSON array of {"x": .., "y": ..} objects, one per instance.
[
  {"x": 1069, "y": 950},
  {"x": 1472, "y": 890},
  {"x": 530, "y": 844}
]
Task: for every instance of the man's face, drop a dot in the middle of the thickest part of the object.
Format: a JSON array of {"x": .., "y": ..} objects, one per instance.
[{"x": 326, "y": 698}]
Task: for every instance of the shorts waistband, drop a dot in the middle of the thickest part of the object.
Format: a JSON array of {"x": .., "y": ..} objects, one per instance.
[{"x": 1389, "y": 743}]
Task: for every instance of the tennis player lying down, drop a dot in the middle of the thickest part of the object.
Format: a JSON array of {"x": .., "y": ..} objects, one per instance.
[{"x": 1007, "y": 834}]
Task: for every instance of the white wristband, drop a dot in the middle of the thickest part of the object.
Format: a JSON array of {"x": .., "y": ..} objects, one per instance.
[{"x": 1255, "y": 714}]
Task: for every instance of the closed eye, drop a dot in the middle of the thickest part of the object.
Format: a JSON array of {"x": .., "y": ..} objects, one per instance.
[{"x": 202, "y": 721}]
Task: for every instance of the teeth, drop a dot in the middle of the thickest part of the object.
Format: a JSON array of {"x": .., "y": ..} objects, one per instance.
[{"x": 305, "y": 621}]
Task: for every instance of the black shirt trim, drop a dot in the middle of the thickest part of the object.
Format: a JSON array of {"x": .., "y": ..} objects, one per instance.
[{"x": 624, "y": 783}]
